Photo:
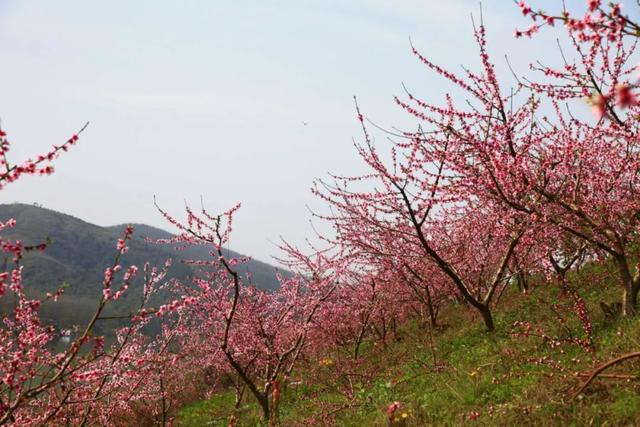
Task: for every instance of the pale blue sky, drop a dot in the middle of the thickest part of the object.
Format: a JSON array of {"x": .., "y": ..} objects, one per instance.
[{"x": 190, "y": 98}]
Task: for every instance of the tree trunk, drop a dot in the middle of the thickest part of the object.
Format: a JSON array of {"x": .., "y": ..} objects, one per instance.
[
  {"x": 629, "y": 301},
  {"x": 630, "y": 291},
  {"x": 432, "y": 313},
  {"x": 522, "y": 282},
  {"x": 394, "y": 328},
  {"x": 239, "y": 393},
  {"x": 487, "y": 317},
  {"x": 356, "y": 350},
  {"x": 264, "y": 405}
]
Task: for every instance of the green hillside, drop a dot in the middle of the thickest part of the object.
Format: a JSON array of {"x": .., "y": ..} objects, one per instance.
[
  {"x": 459, "y": 374},
  {"x": 78, "y": 254}
]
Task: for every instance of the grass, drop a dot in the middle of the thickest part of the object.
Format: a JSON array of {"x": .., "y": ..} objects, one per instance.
[{"x": 480, "y": 378}]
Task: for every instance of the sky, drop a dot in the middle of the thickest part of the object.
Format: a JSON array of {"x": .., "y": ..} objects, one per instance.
[{"x": 232, "y": 101}]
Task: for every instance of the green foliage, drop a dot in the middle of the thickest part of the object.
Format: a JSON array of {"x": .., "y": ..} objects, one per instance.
[
  {"x": 208, "y": 412},
  {"x": 626, "y": 406}
]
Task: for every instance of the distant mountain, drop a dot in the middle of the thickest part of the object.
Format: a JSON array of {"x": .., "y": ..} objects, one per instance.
[
  {"x": 79, "y": 252},
  {"x": 262, "y": 274}
]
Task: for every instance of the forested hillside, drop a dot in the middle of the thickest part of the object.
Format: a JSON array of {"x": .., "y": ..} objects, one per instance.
[{"x": 78, "y": 252}]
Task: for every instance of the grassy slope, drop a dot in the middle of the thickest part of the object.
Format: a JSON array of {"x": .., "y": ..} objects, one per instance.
[{"x": 500, "y": 376}]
